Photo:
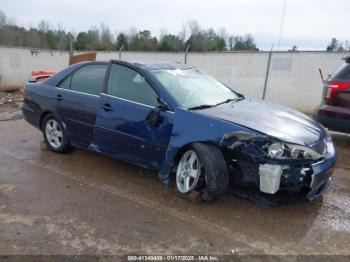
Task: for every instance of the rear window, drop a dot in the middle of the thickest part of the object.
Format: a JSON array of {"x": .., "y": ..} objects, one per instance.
[
  {"x": 342, "y": 72},
  {"x": 88, "y": 79}
]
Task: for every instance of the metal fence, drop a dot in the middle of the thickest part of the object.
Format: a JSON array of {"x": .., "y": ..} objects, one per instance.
[{"x": 289, "y": 78}]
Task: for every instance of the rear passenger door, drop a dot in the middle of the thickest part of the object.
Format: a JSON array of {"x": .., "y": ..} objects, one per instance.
[{"x": 77, "y": 101}]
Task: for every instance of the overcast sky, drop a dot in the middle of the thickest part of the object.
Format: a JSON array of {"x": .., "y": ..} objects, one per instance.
[{"x": 307, "y": 23}]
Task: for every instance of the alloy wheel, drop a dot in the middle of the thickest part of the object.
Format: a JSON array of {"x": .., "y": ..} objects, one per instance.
[
  {"x": 54, "y": 133},
  {"x": 188, "y": 172}
]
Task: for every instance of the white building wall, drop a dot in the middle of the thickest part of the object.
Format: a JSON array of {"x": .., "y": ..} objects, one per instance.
[
  {"x": 294, "y": 78},
  {"x": 16, "y": 65}
]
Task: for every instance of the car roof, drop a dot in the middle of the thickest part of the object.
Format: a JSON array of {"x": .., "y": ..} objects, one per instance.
[
  {"x": 153, "y": 65},
  {"x": 147, "y": 64}
]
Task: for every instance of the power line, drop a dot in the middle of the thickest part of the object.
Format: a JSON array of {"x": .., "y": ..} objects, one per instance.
[{"x": 282, "y": 23}]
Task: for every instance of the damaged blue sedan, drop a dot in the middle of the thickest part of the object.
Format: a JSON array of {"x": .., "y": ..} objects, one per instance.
[{"x": 176, "y": 119}]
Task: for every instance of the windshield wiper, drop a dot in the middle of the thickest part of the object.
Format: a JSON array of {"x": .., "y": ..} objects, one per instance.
[
  {"x": 228, "y": 101},
  {"x": 208, "y": 106},
  {"x": 200, "y": 107}
]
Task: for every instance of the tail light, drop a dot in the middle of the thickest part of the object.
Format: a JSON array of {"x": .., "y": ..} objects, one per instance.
[{"x": 333, "y": 88}]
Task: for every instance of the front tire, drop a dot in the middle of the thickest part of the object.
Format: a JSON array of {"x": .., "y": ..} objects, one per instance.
[
  {"x": 202, "y": 167},
  {"x": 54, "y": 134}
]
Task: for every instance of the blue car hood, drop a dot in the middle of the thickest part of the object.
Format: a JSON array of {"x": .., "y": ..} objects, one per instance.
[{"x": 274, "y": 120}]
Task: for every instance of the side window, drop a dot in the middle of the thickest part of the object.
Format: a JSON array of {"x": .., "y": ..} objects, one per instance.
[
  {"x": 89, "y": 79},
  {"x": 128, "y": 84},
  {"x": 65, "y": 84}
]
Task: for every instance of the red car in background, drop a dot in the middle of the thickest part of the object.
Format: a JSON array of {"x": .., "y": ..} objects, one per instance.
[{"x": 334, "y": 113}]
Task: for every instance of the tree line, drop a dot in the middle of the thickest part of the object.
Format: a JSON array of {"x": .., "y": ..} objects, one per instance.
[
  {"x": 100, "y": 38},
  {"x": 336, "y": 45}
]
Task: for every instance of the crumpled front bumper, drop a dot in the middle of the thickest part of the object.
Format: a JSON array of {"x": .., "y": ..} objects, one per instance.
[
  {"x": 310, "y": 180},
  {"x": 322, "y": 172}
]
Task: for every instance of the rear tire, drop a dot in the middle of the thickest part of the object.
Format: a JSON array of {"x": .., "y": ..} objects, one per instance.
[
  {"x": 213, "y": 177},
  {"x": 54, "y": 134}
]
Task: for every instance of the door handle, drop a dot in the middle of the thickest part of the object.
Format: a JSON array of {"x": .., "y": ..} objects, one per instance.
[
  {"x": 106, "y": 107},
  {"x": 59, "y": 97}
]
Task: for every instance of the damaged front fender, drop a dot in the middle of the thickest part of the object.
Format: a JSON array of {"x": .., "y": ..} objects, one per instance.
[{"x": 193, "y": 126}]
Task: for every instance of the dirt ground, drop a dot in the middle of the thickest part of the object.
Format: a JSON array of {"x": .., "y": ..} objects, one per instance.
[
  {"x": 10, "y": 105},
  {"x": 86, "y": 203},
  {"x": 10, "y": 101}
]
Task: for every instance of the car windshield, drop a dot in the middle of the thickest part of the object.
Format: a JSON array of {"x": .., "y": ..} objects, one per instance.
[{"x": 193, "y": 88}]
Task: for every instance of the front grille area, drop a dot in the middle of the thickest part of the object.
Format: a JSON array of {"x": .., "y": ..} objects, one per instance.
[{"x": 320, "y": 147}]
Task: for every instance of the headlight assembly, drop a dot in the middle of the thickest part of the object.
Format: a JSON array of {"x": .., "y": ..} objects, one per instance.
[
  {"x": 276, "y": 150},
  {"x": 279, "y": 150}
]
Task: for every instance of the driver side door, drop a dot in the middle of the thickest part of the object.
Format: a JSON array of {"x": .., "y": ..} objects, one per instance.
[{"x": 124, "y": 124}]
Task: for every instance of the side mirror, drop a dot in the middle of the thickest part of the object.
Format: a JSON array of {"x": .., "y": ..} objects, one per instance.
[{"x": 154, "y": 118}]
